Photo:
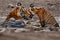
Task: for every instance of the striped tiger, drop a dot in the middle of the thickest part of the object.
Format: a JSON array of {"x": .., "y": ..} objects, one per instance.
[
  {"x": 15, "y": 13},
  {"x": 49, "y": 19},
  {"x": 45, "y": 17},
  {"x": 27, "y": 14}
]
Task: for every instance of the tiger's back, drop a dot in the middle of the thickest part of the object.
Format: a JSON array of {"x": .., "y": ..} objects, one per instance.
[{"x": 49, "y": 19}]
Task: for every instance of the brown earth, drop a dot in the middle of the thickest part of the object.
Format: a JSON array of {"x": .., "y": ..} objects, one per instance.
[{"x": 31, "y": 36}]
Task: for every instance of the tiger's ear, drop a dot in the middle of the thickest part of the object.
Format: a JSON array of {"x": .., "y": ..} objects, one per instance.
[{"x": 10, "y": 6}]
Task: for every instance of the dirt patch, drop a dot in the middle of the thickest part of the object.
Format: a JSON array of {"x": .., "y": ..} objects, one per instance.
[{"x": 31, "y": 36}]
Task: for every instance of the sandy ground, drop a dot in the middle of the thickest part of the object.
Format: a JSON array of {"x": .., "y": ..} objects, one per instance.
[{"x": 31, "y": 36}]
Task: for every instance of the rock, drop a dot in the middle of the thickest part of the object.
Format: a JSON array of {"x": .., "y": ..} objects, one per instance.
[
  {"x": 2, "y": 30},
  {"x": 19, "y": 23},
  {"x": 15, "y": 23},
  {"x": 21, "y": 30}
]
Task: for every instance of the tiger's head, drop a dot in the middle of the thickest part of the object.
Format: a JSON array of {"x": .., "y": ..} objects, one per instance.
[
  {"x": 19, "y": 6},
  {"x": 27, "y": 15},
  {"x": 34, "y": 9}
]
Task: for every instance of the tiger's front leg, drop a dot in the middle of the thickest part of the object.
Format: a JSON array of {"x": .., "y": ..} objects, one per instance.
[{"x": 42, "y": 24}]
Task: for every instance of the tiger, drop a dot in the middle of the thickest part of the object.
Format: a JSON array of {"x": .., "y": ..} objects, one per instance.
[
  {"x": 15, "y": 13},
  {"x": 27, "y": 14},
  {"x": 45, "y": 16}
]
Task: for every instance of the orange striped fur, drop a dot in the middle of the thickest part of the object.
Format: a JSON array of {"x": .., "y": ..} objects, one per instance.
[{"x": 45, "y": 17}]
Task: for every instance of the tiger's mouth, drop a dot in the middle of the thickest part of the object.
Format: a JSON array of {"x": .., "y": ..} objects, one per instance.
[{"x": 27, "y": 18}]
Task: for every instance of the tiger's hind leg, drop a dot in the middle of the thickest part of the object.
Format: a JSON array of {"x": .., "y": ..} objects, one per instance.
[
  {"x": 53, "y": 28},
  {"x": 56, "y": 25}
]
